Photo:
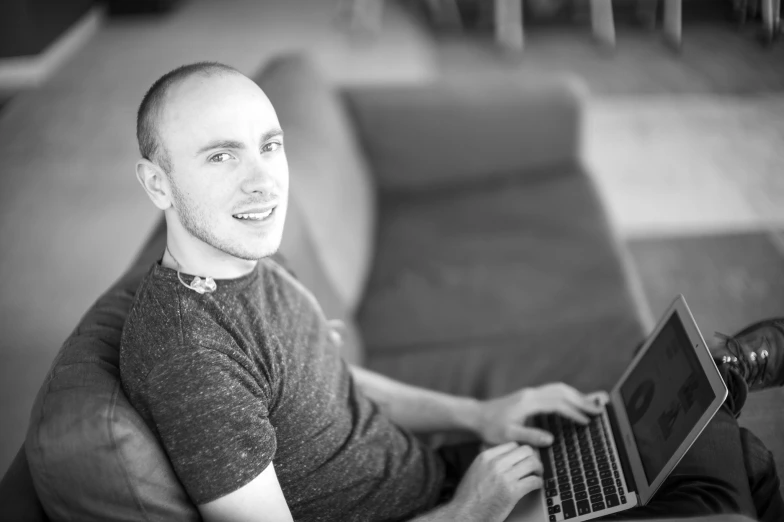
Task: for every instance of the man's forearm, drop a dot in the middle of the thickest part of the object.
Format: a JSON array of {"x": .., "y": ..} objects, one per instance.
[
  {"x": 418, "y": 409},
  {"x": 445, "y": 513}
]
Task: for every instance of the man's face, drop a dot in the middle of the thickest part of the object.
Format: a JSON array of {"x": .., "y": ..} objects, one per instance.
[{"x": 229, "y": 175}]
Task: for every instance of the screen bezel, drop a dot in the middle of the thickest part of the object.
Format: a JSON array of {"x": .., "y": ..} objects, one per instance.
[{"x": 646, "y": 490}]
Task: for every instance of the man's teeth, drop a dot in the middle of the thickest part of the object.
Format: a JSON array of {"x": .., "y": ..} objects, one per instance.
[{"x": 260, "y": 215}]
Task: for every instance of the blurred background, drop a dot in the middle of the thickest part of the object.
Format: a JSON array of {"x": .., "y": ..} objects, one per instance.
[{"x": 685, "y": 142}]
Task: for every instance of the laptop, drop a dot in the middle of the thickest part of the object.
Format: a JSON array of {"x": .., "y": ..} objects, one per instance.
[{"x": 662, "y": 402}]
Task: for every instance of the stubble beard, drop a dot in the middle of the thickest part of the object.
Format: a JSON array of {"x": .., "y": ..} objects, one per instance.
[{"x": 196, "y": 224}]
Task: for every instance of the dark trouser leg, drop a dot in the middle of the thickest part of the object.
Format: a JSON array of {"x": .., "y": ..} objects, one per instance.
[
  {"x": 763, "y": 480},
  {"x": 710, "y": 479},
  {"x": 727, "y": 470},
  {"x": 457, "y": 458}
]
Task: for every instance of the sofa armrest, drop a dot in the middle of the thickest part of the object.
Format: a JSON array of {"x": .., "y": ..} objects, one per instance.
[{"x": 459, "y": 130}]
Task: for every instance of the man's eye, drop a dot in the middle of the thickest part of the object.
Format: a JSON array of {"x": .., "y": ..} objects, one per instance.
[
  {"x": 220, "y": 157},
  {"x": 271, "y": 146}
]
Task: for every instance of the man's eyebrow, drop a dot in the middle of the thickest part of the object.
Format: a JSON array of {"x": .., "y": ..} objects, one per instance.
[
  {"x": 274, "y": 133},
  {"x": 221, "y": 144}
]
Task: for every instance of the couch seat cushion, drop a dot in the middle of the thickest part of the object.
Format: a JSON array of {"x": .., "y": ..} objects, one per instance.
[
  {"x": 588, "y": 355},
  {"x": 522, "y": 271}
]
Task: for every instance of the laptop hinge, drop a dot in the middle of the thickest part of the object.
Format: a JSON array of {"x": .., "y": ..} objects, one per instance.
[{"x": 619, "y": 444}]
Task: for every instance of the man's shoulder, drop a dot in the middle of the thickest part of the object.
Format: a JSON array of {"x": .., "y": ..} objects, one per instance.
[
  {"x": 156, "y": 306},
  {"x": 280, "y": 278},
  {"x": 166, "y": 316},
  {"x": 160, "y": 321}
]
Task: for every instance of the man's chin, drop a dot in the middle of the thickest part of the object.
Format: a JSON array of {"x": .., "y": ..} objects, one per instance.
[{"x": 266, "y": 249}]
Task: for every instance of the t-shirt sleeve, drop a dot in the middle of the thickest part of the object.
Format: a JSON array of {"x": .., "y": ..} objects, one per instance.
[{"x": 212, "y": 418}]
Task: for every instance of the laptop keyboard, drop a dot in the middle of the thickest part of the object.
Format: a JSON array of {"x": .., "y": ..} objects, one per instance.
[{"x": 582, "y": 474}]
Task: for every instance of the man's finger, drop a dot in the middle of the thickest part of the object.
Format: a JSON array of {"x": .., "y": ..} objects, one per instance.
[
  {"x": 576, "y": 401},
  {"x": 530, "y": 466},
  {"x": 499, "y": 450},
  {"x": 598, "y": 399},
  {"x": 519, "y": 454},
  {"x": 581, "y": 401},
  {"x": 532, "y": 436},
  {"x": 529, "y": 484},
  {"x": 572, "y": 413},
  {"x": 588, "y": 404},
  {"x": 570, "y": 393},
  {"x": 562, "y": 406}
]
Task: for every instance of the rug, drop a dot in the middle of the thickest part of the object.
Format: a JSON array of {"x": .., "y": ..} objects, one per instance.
[
  {"x": 729, "y": 280},
  {"x": 670, "y": 164}
]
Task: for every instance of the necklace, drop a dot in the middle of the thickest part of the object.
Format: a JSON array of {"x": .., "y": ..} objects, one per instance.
[{"x": 198, "y": 285}]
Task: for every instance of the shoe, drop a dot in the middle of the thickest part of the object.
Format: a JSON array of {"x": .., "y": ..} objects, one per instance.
[{"x": 756, "y": 353}]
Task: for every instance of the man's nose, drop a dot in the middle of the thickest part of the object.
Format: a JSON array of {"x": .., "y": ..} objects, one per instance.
[{"x": 259, "y": 178}]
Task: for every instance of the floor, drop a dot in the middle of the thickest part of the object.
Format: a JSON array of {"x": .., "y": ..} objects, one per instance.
[
  {"x": 72, "y": 215},
  {"x": 709, "y": 122}
]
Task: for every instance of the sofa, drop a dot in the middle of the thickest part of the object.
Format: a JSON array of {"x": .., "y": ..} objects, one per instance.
[{"x": 451, "y": 226}]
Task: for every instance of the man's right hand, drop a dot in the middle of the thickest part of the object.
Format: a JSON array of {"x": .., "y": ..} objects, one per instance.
[{"x": 497, "y": 479}]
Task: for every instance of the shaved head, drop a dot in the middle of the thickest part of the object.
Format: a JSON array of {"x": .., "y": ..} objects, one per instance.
[
  {"x": 148, "y": 118},
  {"x": 213, "y": 160}
]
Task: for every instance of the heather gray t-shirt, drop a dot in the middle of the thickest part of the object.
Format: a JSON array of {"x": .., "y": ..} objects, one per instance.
[{"x": 248, "y": 375}]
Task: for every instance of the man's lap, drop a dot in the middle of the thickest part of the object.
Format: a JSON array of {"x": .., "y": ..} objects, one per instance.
[{"x": 742, "y": 480}]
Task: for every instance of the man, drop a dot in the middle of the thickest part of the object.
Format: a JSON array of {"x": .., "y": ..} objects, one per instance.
[{"x": 233, "y": 365}]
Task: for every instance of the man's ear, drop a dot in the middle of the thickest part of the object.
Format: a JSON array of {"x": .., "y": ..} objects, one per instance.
[{"x": 155, "y": 183}]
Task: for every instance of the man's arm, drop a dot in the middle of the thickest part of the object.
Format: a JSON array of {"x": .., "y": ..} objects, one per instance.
[
  {"x": 497, "y": 479},
  {"x": 260, "y": 500},
  {"x": 495, "y": 421},
  {"x": 211, "y": 416},
  {"x": 418, "y": 409}
]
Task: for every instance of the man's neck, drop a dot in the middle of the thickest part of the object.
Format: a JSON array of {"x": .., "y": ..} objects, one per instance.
[{"x": 203, "y": 260}]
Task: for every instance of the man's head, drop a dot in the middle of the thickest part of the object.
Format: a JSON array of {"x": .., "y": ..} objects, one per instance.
[{"x": 213, "y": 160}]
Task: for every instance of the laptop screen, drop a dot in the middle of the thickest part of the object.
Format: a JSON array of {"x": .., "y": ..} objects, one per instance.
[{"x": 665, "y": 396}]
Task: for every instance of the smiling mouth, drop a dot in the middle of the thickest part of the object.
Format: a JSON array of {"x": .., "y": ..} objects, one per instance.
[{"x": 255, "y": 216}]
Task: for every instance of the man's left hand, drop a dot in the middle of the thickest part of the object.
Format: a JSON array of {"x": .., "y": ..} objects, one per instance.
[{"x": 507, "y": 419}]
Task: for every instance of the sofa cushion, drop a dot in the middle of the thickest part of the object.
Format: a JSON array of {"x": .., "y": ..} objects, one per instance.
[
  {"x": 458, "y": 129},
  {"x": 492, "y": 276},
  {"x": 328, "y": 171},
  {"x": 588, "y": 355},
  {"x": 90, "y": 453}
]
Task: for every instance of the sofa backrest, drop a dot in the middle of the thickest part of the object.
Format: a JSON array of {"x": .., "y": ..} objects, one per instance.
[
  {"x": 458, "y": 131},
  {"x": 328, "y": 171}
]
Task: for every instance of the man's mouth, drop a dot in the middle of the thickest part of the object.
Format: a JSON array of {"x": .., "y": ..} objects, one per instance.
[{"x": 255, "y": 216}]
